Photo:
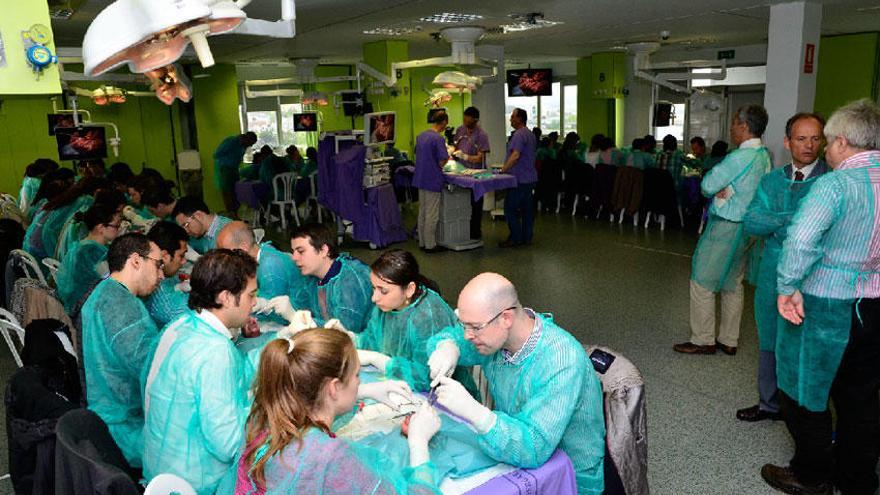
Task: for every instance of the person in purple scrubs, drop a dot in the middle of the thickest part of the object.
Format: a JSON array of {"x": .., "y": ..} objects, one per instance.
[
  {"x": 471, "y": 146},
  {"x": 520, "y": 162},
  {"x": 431, "y": 155}
]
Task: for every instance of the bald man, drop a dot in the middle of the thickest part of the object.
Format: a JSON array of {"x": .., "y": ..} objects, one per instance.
[
  {"x": 546, "y": 391},
  {"x": 277, "y": 275}
]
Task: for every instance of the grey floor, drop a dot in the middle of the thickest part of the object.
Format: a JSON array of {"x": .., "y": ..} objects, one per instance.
[{"x": 627, "y": 289}]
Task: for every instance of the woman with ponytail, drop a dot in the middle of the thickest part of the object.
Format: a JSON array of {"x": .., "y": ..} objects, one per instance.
[
  {"x": 408, "y": 311},
  {"x": 85, "y": 263},
  {"x": 302, "y": 385}
]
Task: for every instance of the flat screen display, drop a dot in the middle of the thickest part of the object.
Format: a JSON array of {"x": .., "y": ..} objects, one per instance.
[
  {"x": 529, "y": 82},
  {"x": 59, "y": 120},
  {"x": 305, "y": 122},
  {"x": 81, "y": 143},
  {"x": 379, "y": 127}
]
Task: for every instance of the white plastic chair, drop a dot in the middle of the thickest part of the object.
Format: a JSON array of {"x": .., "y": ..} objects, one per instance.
[
  {"x": 29, "y": 264},
  {"x": 9, "y": 325},
  {"x": 282, "y": 185},
  {"x": 53, "y": 265},
  {"x": 259, "y": 234},
  {"x": 313, "y": 196},
  {"x": 169, "y": 484}
]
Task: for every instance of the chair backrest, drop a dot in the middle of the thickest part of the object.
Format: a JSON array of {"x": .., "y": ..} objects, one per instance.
[
  {"x": 259, "y": 234},
  {"x": 29, "y": 264},
  {"x": 70, "y": 234},
  {"x": 169, "y": 484},
  {"x": 9, "y": 326},
  {"x": 87, "y": 460},
  {"x": 282, "y": 184},
  {"x": 53, "y": 265}
]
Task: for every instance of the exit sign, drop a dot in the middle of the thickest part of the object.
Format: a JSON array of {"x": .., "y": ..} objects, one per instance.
[{"x": 726, "y": 54}]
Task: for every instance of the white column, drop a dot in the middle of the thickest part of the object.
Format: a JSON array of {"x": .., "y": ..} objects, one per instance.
[
  {"x": 637, "y": 105},
  {"x": 489, "y": 100},
  {"x": 791, "y": 82}
]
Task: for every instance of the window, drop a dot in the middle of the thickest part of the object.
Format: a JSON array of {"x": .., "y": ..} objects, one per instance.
[
  {"x": 301, "y": 140},
  {"x": 265, "y": 124},
  {"x": 675, "y": 127},
  {"x": 570, "y": 105},
  {"x": 527, "y": 103},
  {"x": 551, "y": 111}
]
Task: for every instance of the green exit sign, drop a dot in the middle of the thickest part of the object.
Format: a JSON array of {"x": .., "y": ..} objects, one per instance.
[{"x": 726, "y": 54}]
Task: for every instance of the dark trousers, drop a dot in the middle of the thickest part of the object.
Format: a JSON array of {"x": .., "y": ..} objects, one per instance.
[
  {"x": 476, "y": 218},
  {"x": 519, "y": 211},
  {"x": 851, "y": 462}
]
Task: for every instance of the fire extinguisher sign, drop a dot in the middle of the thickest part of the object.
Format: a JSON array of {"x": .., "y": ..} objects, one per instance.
[{"x": 809, "y": 58}]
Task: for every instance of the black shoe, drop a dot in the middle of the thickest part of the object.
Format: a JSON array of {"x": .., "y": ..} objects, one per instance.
[
  {"x": 726, "y": 349},
  {"x": 784, "y": 480},
  {"x": 755, "y": 413}
]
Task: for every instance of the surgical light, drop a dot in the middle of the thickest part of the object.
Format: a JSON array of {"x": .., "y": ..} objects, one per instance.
[
  {"x": 150, "y": 34},
  {"x": 456, "y": 80}
]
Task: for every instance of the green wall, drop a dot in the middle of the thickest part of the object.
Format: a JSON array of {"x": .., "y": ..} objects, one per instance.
[
  {"x": 16, "y": 76},
  {"x": 216, "y": 108},
  {"x": 333, "y": 120},
  {"x": 596, "y": 115},
  {"x": 848, "y": 69},
  {"x": 143, "y": 124},
  {"x": 380, "y": 55},
  {"x": 420, "y": 82}
]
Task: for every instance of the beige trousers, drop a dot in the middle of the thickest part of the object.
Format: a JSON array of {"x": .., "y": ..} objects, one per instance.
[
  {"x": 703, "y": 314},
  {"x": 429, "y": 218}
]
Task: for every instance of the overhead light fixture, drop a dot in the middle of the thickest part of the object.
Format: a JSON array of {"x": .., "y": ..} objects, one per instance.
[
  {"x": 317, "y": 98},
  {"x": 456, "y": 80},
  {"x": 105, "y": 95},
  {"x": 393, "y": 31},
  {"x": 451, "y": 18},
  {"x": 527, "y": 26}
]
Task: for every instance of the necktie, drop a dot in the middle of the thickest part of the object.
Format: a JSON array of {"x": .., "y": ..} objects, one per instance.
[{"x": 798, "y": 176}]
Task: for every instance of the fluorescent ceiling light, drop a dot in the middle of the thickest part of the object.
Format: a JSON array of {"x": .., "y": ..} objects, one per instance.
[
  {"x": 526, "y": 26},
  {"x": 393, "y": 31},
  {"x": 451, "y": 18}
]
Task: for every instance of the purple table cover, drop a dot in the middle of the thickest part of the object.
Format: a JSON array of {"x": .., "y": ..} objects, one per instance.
[
  {"x": 252, "y": 193},
  {"x": 482, "y": 186},
  {"x": 382, "y": 224},
  {"x": 554, "y": 477},
  {"x": 374, "y": 211}
]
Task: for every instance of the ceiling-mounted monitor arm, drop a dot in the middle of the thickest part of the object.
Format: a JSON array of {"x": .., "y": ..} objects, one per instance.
[{"x": 283, "y": 28}]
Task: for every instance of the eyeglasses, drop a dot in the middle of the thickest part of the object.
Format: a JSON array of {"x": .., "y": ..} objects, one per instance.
[
  {"x": 112, "y": 225},
  {"x": 476, "y": 328},
  {"x": 190, "y": 220},
  {"x": 159, "y": 263}
]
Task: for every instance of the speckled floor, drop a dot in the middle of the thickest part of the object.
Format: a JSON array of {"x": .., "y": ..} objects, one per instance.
[{"x": 628, "y": 289}]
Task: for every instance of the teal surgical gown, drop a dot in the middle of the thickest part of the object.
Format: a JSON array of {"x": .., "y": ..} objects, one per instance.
[
  {"x": 79, "y": 271},
  {"x": 830, "y": 256},
  {"x": 546, "y": 396},
  {"x": 768, "y": 217},
  {"x": 209, "y": 241},
  {"x": 196, "y": 403},
  {"x": 56, "y": 219},
  {"x": 720, "y": 254},
  {"x": 277, "y": 275},
  {"x": 347, "y": 296},
  {"x": 166, "y": 303},
  {"x": 324, "y": 465},
  {"x": 227, "y": 158},
  {"x": 33, "y": 236},
  {"x": 29, "y": 187},
  {"x": 404, "y": 335},
  {"x": 119, "y": 338}
]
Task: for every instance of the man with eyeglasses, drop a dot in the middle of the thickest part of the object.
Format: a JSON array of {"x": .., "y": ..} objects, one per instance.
[
  {"x": 193, "y": 215},
  {"x": 119, "y": 338},
  {"x": 546, "y": 392}
]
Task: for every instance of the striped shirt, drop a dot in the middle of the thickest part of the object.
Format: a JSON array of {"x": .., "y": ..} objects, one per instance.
[{"x": 833, "y": 244}]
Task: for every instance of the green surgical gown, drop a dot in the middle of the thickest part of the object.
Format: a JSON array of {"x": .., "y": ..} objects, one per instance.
[
  {"x": 79, "y": 271},
  {"x": 347, "y": 296}
]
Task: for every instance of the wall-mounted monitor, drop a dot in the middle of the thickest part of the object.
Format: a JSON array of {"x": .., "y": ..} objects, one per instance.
[
  {"x": 81, "y": 143},
  {"x": 355, "y": 104},
  {"x": 59, "y": 120},
  {"x": 305, "y": 122},
  {"x": 529, "y": 82},
  {"x": 434, "y": 111},
  {"x": 379, "y": 128}
]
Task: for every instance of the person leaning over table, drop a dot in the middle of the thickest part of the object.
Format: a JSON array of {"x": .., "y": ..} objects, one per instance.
[{"x": 546, "y": 392}]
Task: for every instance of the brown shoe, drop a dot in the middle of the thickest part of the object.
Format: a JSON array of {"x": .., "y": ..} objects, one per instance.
[
  {"x": 726, "y": 349},
  {"x": 784, "y": 480},
  {"x": 691, "y": 348}
]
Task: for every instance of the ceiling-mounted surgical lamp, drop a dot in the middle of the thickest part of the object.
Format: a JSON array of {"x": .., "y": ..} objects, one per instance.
[
  {"x": 455, "y": 80},
  {"x": 316, "y": 98},
  {"x": 149, "y": 34}
]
